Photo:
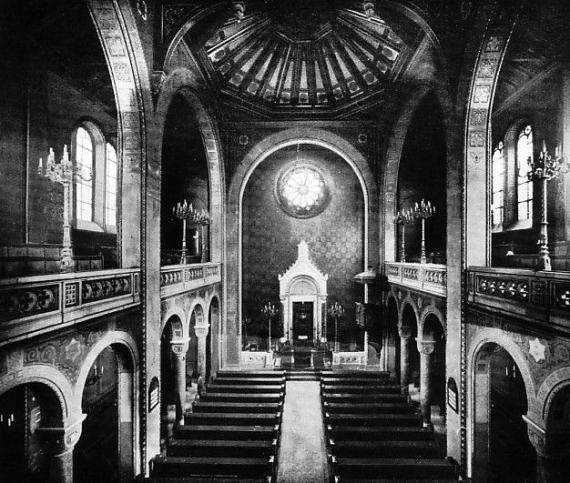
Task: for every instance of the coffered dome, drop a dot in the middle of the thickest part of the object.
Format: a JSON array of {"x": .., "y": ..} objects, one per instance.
[{"x": 302, "y": 56}]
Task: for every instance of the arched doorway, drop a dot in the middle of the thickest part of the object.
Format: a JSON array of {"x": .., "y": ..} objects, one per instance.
[
  {"x": 106, "y": 443},
  {"x": 391, "y": 340},
  {"x": 24, "y": 411},
  {"x": 502, "y": 450},
  {"x": 410, "y": 357}
]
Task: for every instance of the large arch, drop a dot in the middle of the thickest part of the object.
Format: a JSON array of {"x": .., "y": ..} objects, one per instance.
[
  {"x": 480, "y": 341},
  {"x": 252, "y": 159},
  {"x": 181, "y": 81},
  {"x": 126, "y": 353}
]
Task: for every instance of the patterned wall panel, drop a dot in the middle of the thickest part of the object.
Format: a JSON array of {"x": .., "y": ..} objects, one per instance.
[{"x": 270, "y": 236}]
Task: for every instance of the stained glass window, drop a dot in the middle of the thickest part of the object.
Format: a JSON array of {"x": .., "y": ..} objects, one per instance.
[
  {"x": 84, "y": 183},
  {"x": 302, "y": 191},
  {"x": 498, "y": 193}
]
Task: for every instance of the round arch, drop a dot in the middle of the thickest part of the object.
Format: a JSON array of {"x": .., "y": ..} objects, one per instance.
[
  {"x": 47, "y": 376},
  {"x": 477, "y": 344},
  {"x": 554, "y": 383},
  {"x": 180, "y": 81},
  {"x": 252, "y": 159},
  {"x": 409, "y": 303},
  {"x": 433, "y": 311},
  {"x": 176, "y": 317}
]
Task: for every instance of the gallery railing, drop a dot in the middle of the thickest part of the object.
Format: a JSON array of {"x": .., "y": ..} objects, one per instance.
[{"x": 427, "y": 277}]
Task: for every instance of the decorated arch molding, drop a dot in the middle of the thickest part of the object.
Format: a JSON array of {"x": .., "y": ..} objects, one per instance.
[
  {"x": 110, "y": 338},
  {"x": 48, "y": 376},
  {"x": 181, "y": 81},
  {"x": 321, "y": 137},
  {"x": 548, "y": 390},
  {"x": 425, "y": 313},
  {"x": 501, "y": 338},
  {"x": 178, "y": 333}
]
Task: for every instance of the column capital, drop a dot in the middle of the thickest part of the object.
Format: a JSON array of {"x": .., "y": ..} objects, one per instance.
[
  {"x": 61, "y": 440},
  {"x": 426, "y": 347},
  {"x": 404, "y": 332},
  {"x": 179, "y": 348},
  {"x": 201, "y": 330},
  {"x": 548, "y": 444}
]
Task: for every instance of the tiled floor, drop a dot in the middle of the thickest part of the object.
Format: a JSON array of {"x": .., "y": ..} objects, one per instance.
[{"x": 302, "y": 453}]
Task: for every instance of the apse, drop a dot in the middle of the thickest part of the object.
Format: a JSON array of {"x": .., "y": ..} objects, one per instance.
[{"x": 301, "y": 192}]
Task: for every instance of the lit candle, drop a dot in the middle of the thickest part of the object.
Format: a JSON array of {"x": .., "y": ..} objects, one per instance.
[
  {"x": 40, "y": 165},
  {"x": 543, "y": 146},
  {"x": 557, "y": 151}
]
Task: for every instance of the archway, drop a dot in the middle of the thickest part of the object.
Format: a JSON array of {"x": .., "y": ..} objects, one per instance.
[
  {"x": 433, "y": 347},
  {"x": 24, "y": 452},
  {"x": 391, "y": 340},
  {"x": 193, "y": 353},
  {"x": 185, "y": 177},
  {"x": 410, "y": 357},
  {"x": 213, "y": 356},
  {"x": 173, "y": 378},
  {"x": 106, "y": 443},
  {"x": 502, "y": 450},
  {"x": 554, "y": 465}
]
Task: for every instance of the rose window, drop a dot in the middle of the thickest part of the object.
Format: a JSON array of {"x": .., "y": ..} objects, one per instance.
[{"x": 302, "y": 191}]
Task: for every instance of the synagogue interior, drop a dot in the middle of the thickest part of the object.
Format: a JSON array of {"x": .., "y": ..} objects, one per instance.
[{"x": 285, "y": 241}]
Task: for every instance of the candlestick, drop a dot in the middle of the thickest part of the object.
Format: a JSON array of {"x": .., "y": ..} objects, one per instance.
[{"x": 423, "y": 212}]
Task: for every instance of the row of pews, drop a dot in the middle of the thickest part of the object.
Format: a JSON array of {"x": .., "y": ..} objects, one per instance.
[
  {"x": 231, "y": 435},
  {"x": 375, "y": 434}
]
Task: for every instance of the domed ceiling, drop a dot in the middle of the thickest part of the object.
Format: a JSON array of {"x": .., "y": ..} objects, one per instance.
[{"x": 293, "y": 55}]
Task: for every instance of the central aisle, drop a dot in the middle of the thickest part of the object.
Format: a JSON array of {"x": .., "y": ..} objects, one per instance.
[{"x": 302, "y": 453}]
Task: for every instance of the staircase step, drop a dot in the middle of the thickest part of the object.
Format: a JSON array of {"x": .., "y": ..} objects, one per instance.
[
  {"x": 239, "y": 432},
  {"x": 383, "y": 419},
  {"x": 198, "y": 479},
  {"x": 229, "y": 448},
  {"x": 364, "y": 398},
  {"x": 248, "y": 380},
  {"x": 251, "y": 389},
  {"x": 356, "y": 380},
  {"x": 387, "y": 388},
  {"x": 233, "y": 419},
  {"x": 368, "y": 408},
  {"x": 385, "y": 449},
  {"x": 211, "y": 466},
  {"x": 252, "y": 373},
  {"x": 401, "y": 468},
  {"x": 379, "y": 433},
  {"x": 348, "y": 374},
  {"x": 202, "y": 406},
  {"x": 244, "y": 397}
]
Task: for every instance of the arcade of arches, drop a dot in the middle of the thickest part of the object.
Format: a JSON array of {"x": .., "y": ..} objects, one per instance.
[{"x": 190, "y": 187}]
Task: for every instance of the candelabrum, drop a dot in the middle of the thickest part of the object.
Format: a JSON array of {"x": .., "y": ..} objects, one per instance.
[
  {"x": 335, "y": 311},
  {"x": 423, "y": 211},
  {"x": 403, "y": 218},
  {"x": 270, "y": 311},
  {"x": 542, "y": 170},
  {"x": 65, "y": 173},
  {"x": 197, "y": 218}
]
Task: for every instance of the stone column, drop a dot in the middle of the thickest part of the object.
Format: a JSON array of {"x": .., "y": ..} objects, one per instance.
[
  {"x": 552, "y": 453},
  {"x": 179, "y": 377},
  {"x": 426, "y": 349},
  {"x": 202, "y": 333},
  {"x": 404, "y": 356},
  {"x": 59, "y": 443}
]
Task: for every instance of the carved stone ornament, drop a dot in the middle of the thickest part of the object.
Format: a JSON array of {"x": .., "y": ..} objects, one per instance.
[
  {"x": 426, "y": 347},
  {"x": 537, "y": 350},
  {"x": 201, "y": 330}
]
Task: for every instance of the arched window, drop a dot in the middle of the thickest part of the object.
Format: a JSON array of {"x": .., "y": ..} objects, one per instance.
[
  {"x": 524, "y": 185},
  {"x": 110, "y": 186},
  {"x": 84, "y": 183},
  {"x": 498, "y": 180},
  {"x": 95, "y": 187}
]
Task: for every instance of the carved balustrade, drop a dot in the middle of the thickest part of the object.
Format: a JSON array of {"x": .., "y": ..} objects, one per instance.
[
  {"x": 427, "y": 277},
  {"x": 40, "y": 303},
  {"x": 175, "y": 279},
  {"x": 542, "y": 297}
]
